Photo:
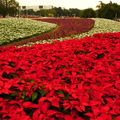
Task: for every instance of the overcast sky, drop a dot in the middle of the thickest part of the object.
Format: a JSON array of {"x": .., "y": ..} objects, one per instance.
[{"x": 80, "y": 4}]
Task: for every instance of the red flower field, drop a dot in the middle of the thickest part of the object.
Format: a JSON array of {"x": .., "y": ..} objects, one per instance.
[
  {"x": 67, "y": 27},
  {"x": 77, "y": 79}
]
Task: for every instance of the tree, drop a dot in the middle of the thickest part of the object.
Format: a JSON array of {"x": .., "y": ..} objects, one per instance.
[
  {"x": 9, "y": 7},
  {"x": 88, "y": 13},
  {"x": 42, "y": 13},
  {"x": 109, "y": 11},
  {"x": 59, "y": 11},
  {"x": 74, "y": 12},
  {"x": 101, "y": 5},
  {"x": 51, "y": 12},
  {"x": 46, "y": 12},
  {"x": 66, "y": 13},
  {"x": 31, "y": 12}
]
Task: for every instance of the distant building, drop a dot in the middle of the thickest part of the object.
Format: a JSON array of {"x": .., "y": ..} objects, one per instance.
[{"x": 36, "y": 8}]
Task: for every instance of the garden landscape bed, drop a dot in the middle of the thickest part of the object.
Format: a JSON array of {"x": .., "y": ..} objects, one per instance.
[
  {"x": 65, "y": 27},
  {"x": 100, "y": 26},
  {"x": 76, "y": 79}
]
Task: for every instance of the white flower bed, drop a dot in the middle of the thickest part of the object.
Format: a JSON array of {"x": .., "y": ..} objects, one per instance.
[
  {"x": 16, "y": 28},
  {"x": 101, "y": 26}
]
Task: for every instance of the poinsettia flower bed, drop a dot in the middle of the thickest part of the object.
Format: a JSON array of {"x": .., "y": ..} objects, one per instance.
[{"x": 77, "y": 79}]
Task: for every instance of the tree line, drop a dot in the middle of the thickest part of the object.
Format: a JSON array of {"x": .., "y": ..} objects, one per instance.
[
  {"x": 8, "y": 7},
  {"x": 109, "y": 11}
]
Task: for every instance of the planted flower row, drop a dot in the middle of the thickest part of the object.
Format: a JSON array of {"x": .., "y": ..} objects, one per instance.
[
  {"x": 77, "y": 79},
  {"x": 16, "y": 28},
  {"x": 100, "y": 26},
  {"x": 67, "y": 27}
]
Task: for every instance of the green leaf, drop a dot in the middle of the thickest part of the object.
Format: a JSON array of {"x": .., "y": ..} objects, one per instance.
[
  {"x": 14, "y": 94},
  {"x": 77, "y": 52},
  {"x": 26, "y": 98},
  {"x": 33, "y": 86},
  {"x": 67, "y": 112},
  {"x": 79, "y": 73},
  {"x": 90, "y": 90},
  {"x": 7, "y": 97},
  {"x": 68, "y": 81},
  {"x": 12, "y": 64},
  {"x": 63, "y": 93},
  {"x": 59, "y": 92},
  {"x": 66, "y": 96},
  {"x": 20, "y": 79},
  {"x": 43, "y": 87},
  {"x": 62, "y": 66},
  {"x": 14, "y": 74},
  {"x": 34, "y": 96},
  {"x": 7, "y": 117},
  {"x": 61, "y": 109},
  {"x": 22, "y": 96},
  {"x": 100, "y": 56},
  {"x": 68, "y": 72},
  {"x": 42, "y": 92},
  {"x": 113, "y": 117},
  {"x": 31, "y": 81},
  {"x": 31, "y": 113},
  {"x": 24, "y": 92}
]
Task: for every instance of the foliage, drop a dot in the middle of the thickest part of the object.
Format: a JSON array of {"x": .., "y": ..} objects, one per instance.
[
  {"x": 77, "y": 79},
  {"x": 45, "y": 12},
  {"x": 88, "y": 13},
  {"x": 27, "y": 12},
  {"x": 9, "y": 7},
  {"x": 74, "y": 12},
  {"x": 16, "y": 28},
  {"x": 56, "y": 12},
  {"x": 109, "y": 10}
]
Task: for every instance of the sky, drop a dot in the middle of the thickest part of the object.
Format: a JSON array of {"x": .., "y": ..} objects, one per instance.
[{"x": 80, "y": 4}]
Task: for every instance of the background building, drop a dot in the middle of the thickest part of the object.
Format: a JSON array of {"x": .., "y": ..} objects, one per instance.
[{"x": 36, "y": 8}]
